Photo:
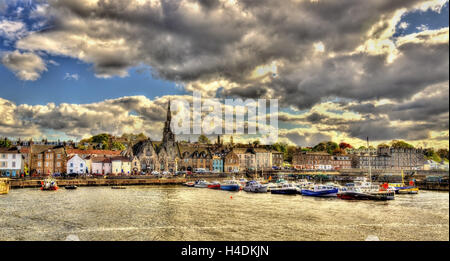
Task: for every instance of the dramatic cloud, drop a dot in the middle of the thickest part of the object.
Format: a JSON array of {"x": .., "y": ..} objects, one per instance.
[
  {"x": 12, "y": 30},
  {"x": 307, "y": 54},
  {"x": 26, "y": 66}
]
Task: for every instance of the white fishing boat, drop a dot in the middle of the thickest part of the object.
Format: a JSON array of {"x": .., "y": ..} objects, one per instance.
[
  {"x": 201, "y": 184},
  {"x": 255, "y": 186}
]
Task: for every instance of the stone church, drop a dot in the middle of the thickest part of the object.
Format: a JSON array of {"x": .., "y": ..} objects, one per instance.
[{"x": 148, "y": 155}]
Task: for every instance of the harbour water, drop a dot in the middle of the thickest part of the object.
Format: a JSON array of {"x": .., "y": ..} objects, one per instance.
[{"x": 192, "y": 214}]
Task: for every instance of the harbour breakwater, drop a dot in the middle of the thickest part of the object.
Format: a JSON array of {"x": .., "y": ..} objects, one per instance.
[{"x": 23, "y": 183}]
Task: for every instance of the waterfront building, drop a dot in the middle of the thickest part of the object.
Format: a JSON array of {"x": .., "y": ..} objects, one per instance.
[
  {"x": 263, "y": 159},
  {"x": 312, "y": 160},
  {"x": 77, "y": 165},
  {"x": 101, "y": 165},
  {"x": 247, "y": 158},
  {"x": 47, "y": 160},
  {"x": 195, "y": 157},
  {"x": 11, "y": 162},
  {"x": 145, "y": 153},
  {"x": 218, "y": 165},
  {"x": 121, "y": 165},
  {"x": 135, "y": 165},
  {"x": 277, "y": 158},
  {"x": 393, "y": 159},
  {"x": 231, "y": 162},
  {"x": 342, "y": 162}
]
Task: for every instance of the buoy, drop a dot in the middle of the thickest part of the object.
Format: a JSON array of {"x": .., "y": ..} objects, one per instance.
[{"x": 231, "y": 197}]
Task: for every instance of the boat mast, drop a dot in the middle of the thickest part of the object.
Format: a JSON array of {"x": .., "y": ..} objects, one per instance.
[{"x": 370, "y": 169}]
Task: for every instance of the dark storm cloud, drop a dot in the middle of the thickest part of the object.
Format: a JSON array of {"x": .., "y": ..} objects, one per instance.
[
  {"x": 198, "y": 43},
  {"x": 305, "y": 139}
]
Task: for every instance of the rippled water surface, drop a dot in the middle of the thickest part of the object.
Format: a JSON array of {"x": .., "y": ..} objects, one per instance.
[{"x": 182, "y": 213}]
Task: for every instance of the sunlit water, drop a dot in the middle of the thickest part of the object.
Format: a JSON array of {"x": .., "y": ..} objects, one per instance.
[{"x": 182, "y": 213}]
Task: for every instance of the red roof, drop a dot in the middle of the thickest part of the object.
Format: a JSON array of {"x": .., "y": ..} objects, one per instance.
[{"x": 93, "y": 152}]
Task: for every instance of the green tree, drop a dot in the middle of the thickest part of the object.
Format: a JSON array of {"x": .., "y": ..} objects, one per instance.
[
  {"x": 329, "y": 147},
  {"x": 443, "y": 153},
  {"x": 5, "y": 143},
  {"x": 101, "y": 138},
  {"x": 399, "y": 144},
  {"x": 203, "y": 139},
  {"x": 117, "y": 146}
]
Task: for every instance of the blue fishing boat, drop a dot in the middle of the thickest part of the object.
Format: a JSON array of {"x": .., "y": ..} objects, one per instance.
[
  {"x": 230, "y": 185},
  {"x": 320, "y": 191}
]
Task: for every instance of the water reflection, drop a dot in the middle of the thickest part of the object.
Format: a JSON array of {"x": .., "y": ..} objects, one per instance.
[{"x": 181, "y": 213}]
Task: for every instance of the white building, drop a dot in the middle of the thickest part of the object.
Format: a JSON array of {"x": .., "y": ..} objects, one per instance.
[
  {"x": 76, "y": 164},
  {"x": 121, "y": 165},
  {"x": 433, "y": 165},
  {"x": 11, "y": 162}
]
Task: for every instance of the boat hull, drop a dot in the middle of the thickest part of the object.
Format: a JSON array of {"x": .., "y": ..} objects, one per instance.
[
  {"x": 233, "y": 187},
  {"x": 50, "y": 188},
  {"x": 201, "y": 185},
  {"x": 407, "y": 190},
  {"x": 262, "y": 189},
  {"x": 365, "y": 196},
  {"x": 214, "y": 186},
  {"x": 322, "y": 193},
  {"x": 284, "y": 191}
]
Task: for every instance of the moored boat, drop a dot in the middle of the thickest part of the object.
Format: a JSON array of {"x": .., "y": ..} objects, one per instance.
[
  {"x": 230, "y": 185},
  {"x": 4, "y": 186},
  {"x": 118, "y": 187},
  {"x": 214, "y": 185},
  {"x": 49, "y": 184},
  {"x": 402, "y": 188},
  {"x": 286, "y": 189},
  {"x": 189, "y": 184},
  {"x": 365, "y": 191},
  {"x": 70, "y": 187},
  {"x": 320, "y": 191},
  {"x": 201, "y": 184},
  {"x": 255, "y": 186}
]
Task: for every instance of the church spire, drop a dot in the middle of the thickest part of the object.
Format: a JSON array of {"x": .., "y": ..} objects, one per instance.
[
  {"x": 167, "y": 134},
  {"x": 169, "y": 113}
]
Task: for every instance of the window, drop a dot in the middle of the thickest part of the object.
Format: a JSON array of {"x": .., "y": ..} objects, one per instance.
[
  {"x": 14, "y": 156},
  {"x": 13, "y": 164},
  {"x": 39, "y": 164},
  {"x": 58, "y": 164},
  {"x": 39, "y": 156},
  {"x": 4, "y": 156},
  {"x": 46, "y": 164},
  {"x": 58, "y": 156},
  {"x": 71, "y": 164},
  {"x": 3, "y": 164},
  {"x": 81, "y": 165}
]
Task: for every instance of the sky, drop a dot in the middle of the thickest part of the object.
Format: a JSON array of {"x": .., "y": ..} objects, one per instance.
[{"x": 341, "y": 70}]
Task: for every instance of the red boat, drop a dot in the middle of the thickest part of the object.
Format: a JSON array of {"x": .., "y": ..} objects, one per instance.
[
  {"x": 49, "y": 184},
  {"x": 214, "y": 185}
]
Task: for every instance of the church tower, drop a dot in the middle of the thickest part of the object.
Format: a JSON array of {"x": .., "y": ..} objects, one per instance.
[{"x": 168, "y": 135}]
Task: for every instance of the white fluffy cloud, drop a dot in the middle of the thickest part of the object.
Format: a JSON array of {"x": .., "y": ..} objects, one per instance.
[{"x": 27, "y": 66}]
